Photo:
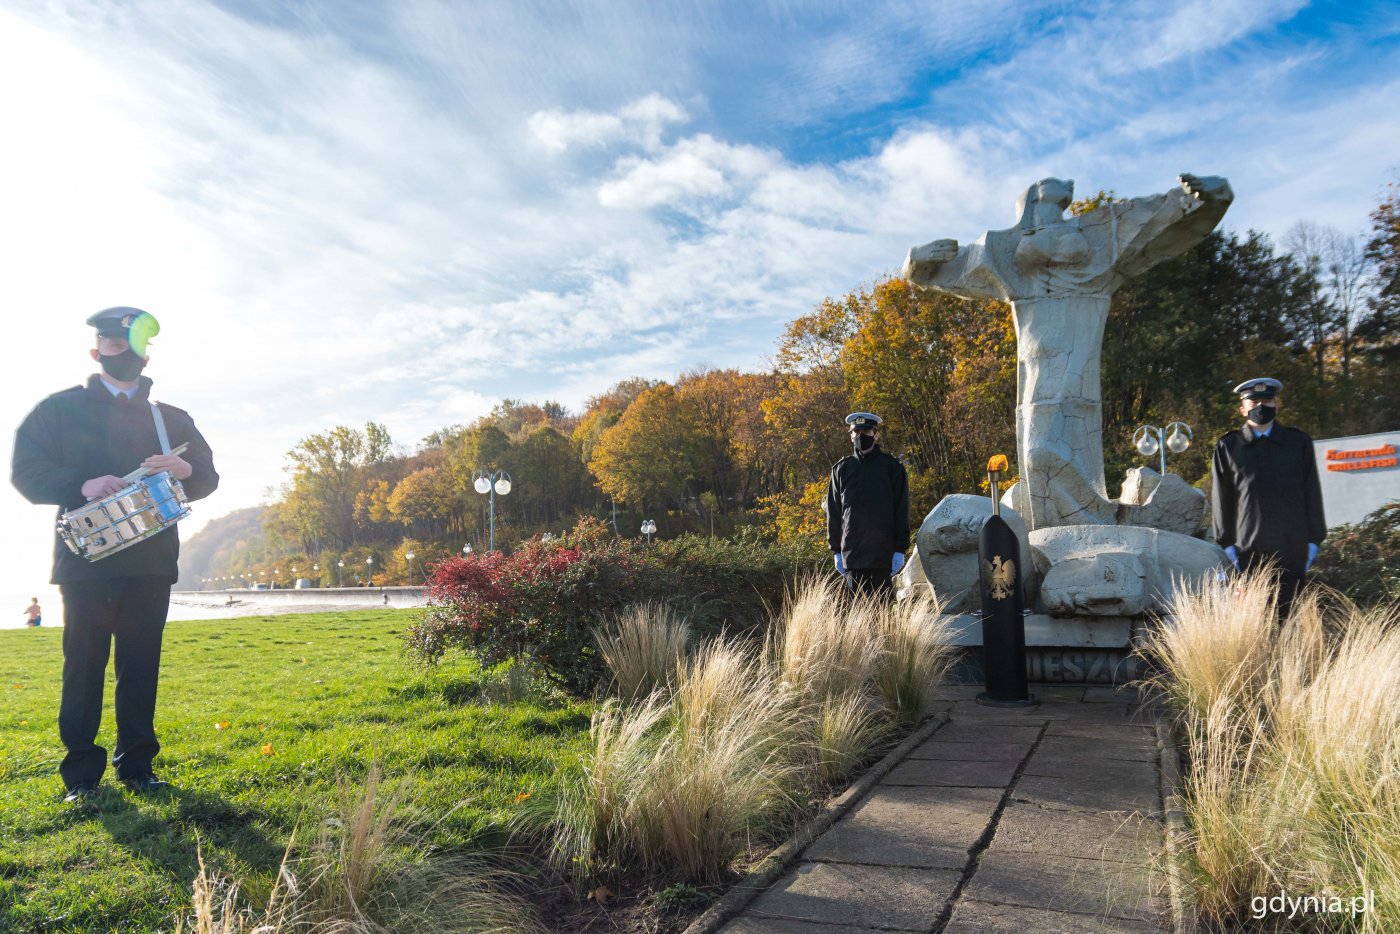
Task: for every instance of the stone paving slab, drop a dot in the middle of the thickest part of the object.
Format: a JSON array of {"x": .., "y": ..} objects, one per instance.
[
  {"x": 963, "y": 731},
  {"x": 888, "y": 897},
  {"x": 751, "y": 925},
  {"x": 1069, "y": 692},
  {"x": 971, "y": 710},
  {"x": 1109, "y": 695},
  {"x": 1070, "y": 765},
  {"x": 1090, "y": 790},
  {"x": 1135, "y": 750},
  {"x": 928, "y": 827},
  {"x": 1032, "y": 830},
  {"x": 1084, "y": 886},
  {"x": 981, "y": 918},
  {"x": 986, "y": 773},
  {"x": 935, "y": 748},
  {"x": 1127, "y": 730}
]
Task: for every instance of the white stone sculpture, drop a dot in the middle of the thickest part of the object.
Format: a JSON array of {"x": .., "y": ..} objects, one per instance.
[
  {"x": 1168, "y": 503},
  {"x": 1059, "y": 274},
  {"x": 947, "y": 549},
  {"x": 1123, "y": 571}
]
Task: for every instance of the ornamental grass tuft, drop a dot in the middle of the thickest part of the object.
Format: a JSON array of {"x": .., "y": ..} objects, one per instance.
[{"x": 1293, "y": 779}]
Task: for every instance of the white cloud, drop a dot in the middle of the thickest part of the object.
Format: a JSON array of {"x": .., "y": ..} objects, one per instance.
[
  {"x": 640, "y": 122},
  {"x": 405, "y": 214}
]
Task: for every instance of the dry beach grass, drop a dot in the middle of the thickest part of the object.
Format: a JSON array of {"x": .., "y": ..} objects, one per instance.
[{"x": 1293, "y": 737}]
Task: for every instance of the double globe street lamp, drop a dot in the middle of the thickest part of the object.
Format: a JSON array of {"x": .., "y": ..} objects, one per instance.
[
  {"x": 649, "y": 529},
  {"x": 1149, "y": 440},
  {"x": 486, "y": 482},
  {"x": 409, "y": 558}
]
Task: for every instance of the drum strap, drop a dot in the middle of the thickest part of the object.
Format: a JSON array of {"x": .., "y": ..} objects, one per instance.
[{"x": 160, "y": 429}]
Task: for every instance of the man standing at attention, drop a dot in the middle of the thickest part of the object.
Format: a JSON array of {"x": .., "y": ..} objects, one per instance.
[
  {"x": 867, "y": 510},
  {"x": 1265, "y": 496},
  {"x": 75, "y": 447}
]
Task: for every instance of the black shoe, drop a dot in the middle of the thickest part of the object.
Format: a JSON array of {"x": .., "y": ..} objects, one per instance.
[
  {"x": 80, "y": 793},
  {"x": 144, "y": 784}
]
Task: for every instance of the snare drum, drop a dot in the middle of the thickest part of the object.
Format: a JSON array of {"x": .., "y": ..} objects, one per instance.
[{"x": 106, "y": 526}]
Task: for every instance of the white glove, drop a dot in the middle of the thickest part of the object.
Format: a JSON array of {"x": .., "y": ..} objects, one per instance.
[
  {"x": 1312, "y": 555},
  {"x": 1233, "y": 554},
  {"x": 840, "y": 564},
  {"x": 897, "y": 563}
]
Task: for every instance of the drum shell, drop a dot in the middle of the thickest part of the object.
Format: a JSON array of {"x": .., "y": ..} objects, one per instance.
[{"x": 132, "y": 514}]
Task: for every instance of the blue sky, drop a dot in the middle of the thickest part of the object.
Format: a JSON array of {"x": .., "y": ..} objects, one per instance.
[{"x": 405, "y": 211}]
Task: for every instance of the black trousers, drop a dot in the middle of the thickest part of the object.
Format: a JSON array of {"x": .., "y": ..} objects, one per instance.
[
  {"x": 1290, "y": 580},
  {"x": 129, "y": 612},
  {"x": 877, "y": 583}
]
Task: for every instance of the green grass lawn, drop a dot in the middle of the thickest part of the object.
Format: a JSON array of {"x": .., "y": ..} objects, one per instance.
[{"x": 262, "y": 721}]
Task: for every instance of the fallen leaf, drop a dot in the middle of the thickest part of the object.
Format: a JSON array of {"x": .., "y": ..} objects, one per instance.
[
  {"x": 221, "y": 725},
  {"x": 602, "y": 895},
  {"x": 24, "y": 723},
  {"x": 266, "y": 749},
  {"x": 17, "y": 687},
  {"x": 523, "y": 796}
]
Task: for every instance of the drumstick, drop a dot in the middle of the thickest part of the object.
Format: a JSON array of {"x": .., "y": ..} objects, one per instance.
[{"x": 140, "y": 472}]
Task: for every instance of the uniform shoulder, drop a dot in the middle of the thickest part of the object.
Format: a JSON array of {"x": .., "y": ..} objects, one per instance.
[
  {"x": 171, "y": 409},
  {"x": 1230, "y": 437}
]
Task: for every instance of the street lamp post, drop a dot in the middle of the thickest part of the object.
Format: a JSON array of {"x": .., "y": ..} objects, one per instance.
[
  {"x": 467, "y": 550},
  {"x": 340, "y": 573},
  {"x": 369, "y": 571},
  {"x": 409, "y": 556},
  {"x": 493, "y": 483},
  {"x": 649, "y": 529},
  {"x": 316, "y": 569},
  {"x": 295, "y": 580},
  {"x": 1149, "y": 440}
]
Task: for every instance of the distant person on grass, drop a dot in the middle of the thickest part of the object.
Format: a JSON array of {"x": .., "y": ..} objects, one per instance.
[
  {"x": 75, "y": 447},
  {"x": 1266, "y": 499},
  {"x": 867, "y": 510},
  {"x": 35, "y": 614}
]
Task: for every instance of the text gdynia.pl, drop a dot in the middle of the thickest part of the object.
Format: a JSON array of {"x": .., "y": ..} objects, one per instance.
[{"x": 1284, "y": 904}]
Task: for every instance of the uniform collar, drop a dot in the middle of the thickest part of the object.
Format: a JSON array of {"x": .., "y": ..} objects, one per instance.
[
  {"x": 1251, "y": 434},
  {"x": 142, "y": 392}
]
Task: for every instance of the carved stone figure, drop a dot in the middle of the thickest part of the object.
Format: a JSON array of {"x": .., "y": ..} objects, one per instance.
[{"x": 1059, "y": 274}]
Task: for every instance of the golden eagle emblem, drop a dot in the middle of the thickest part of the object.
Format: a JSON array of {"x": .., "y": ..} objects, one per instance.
[{"x": 1000, "y": 577}]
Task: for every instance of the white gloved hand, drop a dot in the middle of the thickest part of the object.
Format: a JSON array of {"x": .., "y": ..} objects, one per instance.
[
  {"x": 1233, "y": 554},
  {"x": 1312, "y": 556},
  {"x": 897, "y": 563},
  {"x": 840, "y": 564}
]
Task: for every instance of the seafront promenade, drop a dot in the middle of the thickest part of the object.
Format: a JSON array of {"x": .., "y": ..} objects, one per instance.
[{"x": 309, "y": 600}]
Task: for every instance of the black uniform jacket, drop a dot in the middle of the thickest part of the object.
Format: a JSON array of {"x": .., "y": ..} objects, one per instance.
[
  {"x": 86, "y": 432},
  {"x": 867, "y": 510},
  {"x": 1265, "y": 495}
]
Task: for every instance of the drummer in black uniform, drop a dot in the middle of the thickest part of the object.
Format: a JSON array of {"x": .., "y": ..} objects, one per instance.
[
  {"x": 1265, "y": 496},
  {"x": 75, "y": 447},
  {"x": 867, "y": 510}
]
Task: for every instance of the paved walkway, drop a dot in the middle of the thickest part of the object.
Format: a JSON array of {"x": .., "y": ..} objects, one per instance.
[{"x": 1004, "y": 821}]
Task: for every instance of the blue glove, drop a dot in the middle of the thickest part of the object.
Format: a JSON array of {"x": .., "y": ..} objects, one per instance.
[
  {"x": 1312, "y": 554},
  {"x": 840, "y": 563},
  {"x": 897, "y": 563},
  {"x": 1233, "y": 554}
]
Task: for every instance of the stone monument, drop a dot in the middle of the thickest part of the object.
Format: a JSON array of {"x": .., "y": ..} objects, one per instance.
[
  {"x": 1095, "y": 566},
  {"x": 1059, "y": 274}
]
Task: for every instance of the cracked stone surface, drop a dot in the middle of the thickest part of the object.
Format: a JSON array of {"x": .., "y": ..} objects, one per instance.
[
  {"x": 1044, "y": 820},
  {"x": 1121, "y": 571},
  {"x": 1059, "y": 274}
]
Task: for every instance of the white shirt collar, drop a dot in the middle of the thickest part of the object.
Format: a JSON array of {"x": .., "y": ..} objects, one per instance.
[{"x": 118, "y": 391}]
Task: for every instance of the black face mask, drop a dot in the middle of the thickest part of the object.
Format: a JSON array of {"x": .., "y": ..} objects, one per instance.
[
  {"x": 1263, "y": 414},
  {"x": 124, "y": 366},
  {"x": 864, "y": 443}
]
